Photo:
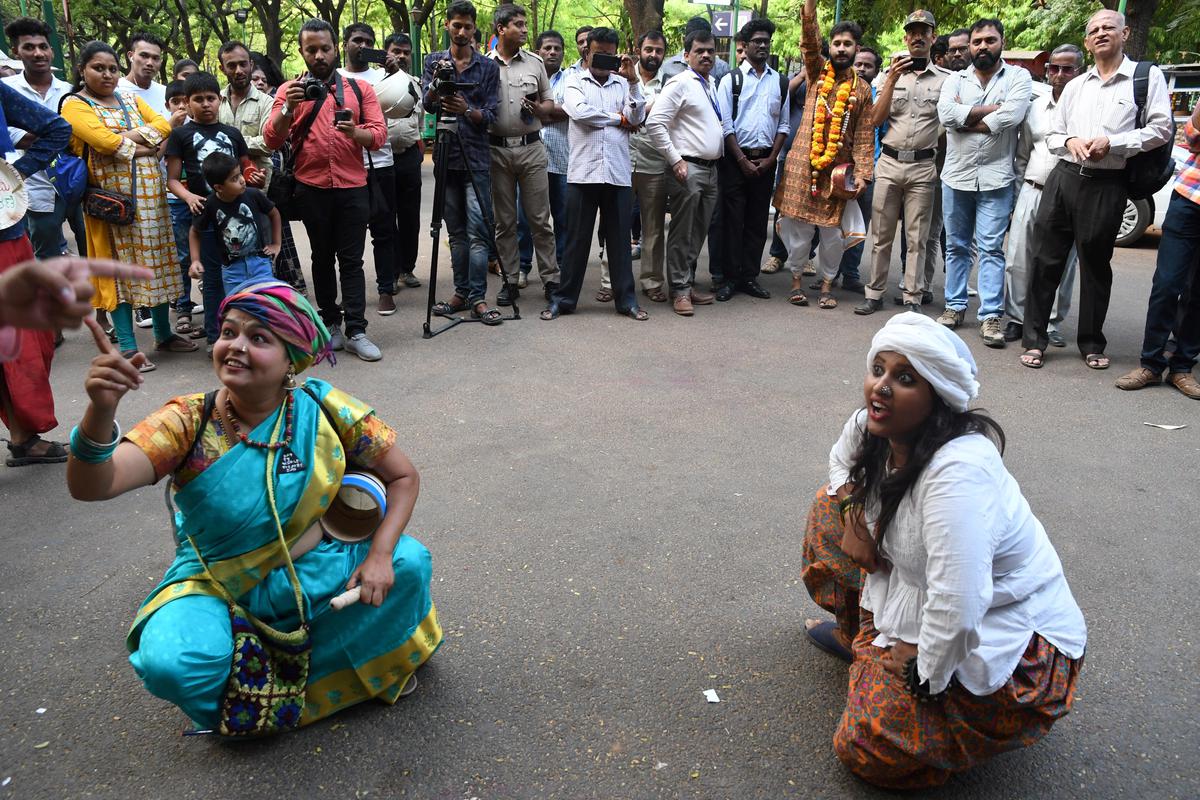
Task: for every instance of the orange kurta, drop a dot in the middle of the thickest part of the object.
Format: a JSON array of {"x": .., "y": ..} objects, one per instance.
[{"x": 794, "y": 196}]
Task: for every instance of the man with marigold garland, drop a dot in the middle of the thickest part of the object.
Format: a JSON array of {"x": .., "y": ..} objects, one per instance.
[{"x": 837, "y": 127}]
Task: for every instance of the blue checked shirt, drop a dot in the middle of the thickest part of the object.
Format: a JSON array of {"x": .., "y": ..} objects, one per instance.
[
  {"x": 554, "y": 135},
  {"x": 759, "y": 118}
]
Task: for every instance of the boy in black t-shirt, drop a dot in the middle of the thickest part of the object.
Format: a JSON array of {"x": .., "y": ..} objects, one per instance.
[
  {"x": 247, "y": 226},
  {"x": 187, "y": 147}
]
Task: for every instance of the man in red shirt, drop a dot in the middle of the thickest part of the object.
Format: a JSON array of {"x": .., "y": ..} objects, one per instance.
[{"x": 331, "y": 193}]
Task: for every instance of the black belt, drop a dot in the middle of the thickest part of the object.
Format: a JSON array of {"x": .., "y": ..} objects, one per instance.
[
  {"x": 703, "y": 162},
  {"x": 1090, "y": 172},
  {"x": 909, "y": 156},
  {"x": 761, "y": 152},
  {"x": 514, "y": 141},
  {"x": 1035, "y": 184}
]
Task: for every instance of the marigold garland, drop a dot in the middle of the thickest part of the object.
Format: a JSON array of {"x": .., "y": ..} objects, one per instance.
[{"x": 828, "y": 123}]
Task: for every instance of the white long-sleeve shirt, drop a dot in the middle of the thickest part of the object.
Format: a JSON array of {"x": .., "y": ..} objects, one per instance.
[
  {"x": 599, "y": 145},
  {"x": 981, "y": 162},
  {"x": 969, "y": 574},
  {"x": 1034, "y": 160},
  {"x": 684, "y": 121},
  {"x": 1091, "y": 107}
]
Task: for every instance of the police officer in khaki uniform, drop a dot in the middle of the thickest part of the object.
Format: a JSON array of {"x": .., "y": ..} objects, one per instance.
[
  {"x": 906, "y": 175},
  {"x": 518, "y": 156}
]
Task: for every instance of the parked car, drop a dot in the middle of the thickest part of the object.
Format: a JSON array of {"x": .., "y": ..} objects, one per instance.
[{"x": 1140, "y": 214}]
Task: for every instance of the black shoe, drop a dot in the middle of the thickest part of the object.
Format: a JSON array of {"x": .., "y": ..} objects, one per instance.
[
  {"x": 725, "y": 292},
  {"x": 913, "y": 307},
  {"x": 755, "y": 289},
  {"x": 548, "y": 289},
  {"x": 142, "y": 318},
  {"x": 853, "y": 286},
  {"x": 1013, "y": 331},
  {"x": 508, "y": 293},
  {"x": 926, "y": 299},
  {"x": 411, "y": 280},
  {"x": 868, "y": 306}
]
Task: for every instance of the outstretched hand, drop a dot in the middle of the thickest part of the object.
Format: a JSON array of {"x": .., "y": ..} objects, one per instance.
[
  {"x": 111, "y": 375},
  {"x": 55, "y": 293}
]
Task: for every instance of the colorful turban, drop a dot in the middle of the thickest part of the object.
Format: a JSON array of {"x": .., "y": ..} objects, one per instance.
[
  {"x": 938, "y": 356},
  {"x": 288, "y": 315}
]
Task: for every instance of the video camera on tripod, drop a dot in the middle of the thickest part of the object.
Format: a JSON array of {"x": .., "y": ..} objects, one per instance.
[{"x": 445, "y": 81}]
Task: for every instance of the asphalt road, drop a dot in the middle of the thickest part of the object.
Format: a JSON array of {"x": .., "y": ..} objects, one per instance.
[{"x": 615, "y": 511}]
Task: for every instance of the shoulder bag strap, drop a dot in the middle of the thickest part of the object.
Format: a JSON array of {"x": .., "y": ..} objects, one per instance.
[
  {"x": 359, "y": 96},
  {"x": 1141, "y": 88},
  {"x": 736, "y": 77},
  {"x": 132, "y": 161},
  {"x": 302, "y": 132}
]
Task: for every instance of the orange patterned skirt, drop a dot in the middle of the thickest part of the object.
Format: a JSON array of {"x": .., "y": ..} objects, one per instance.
[{"x": 886, "y": 736}]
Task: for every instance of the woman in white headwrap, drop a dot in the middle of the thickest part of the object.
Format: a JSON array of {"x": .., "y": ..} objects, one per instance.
[{"x": 963, "y": 636}]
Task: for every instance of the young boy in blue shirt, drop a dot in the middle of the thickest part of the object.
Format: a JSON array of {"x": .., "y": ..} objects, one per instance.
[{"x": 247, "y": 226}]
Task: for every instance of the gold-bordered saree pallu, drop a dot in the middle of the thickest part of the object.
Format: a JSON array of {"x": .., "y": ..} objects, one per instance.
[{"x": 359, "y": 653}]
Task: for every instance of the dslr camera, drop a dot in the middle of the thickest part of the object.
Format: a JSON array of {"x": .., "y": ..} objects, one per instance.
[
  {"x": 314, "y": 88},
  {"x": 445, "y": 83}
]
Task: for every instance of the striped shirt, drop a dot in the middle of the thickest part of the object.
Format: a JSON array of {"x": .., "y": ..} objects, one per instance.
[
  {"x": 1188, "y": 183},
  {"x": 599, "y": 145}
]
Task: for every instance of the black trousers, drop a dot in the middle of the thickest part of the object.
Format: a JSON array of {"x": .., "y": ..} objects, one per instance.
[
  {"x": 407, "y": 179},
  {"x": 382, "y": 225},
  {"x": 336, "y": 222},
  {"x": 615, "y": 205},
  {"x": 745, "y": 210},
  {"x": 1085, "y": 212}
]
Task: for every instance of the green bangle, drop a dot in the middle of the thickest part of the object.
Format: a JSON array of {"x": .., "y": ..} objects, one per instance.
[{"x": 91, "y": 452}]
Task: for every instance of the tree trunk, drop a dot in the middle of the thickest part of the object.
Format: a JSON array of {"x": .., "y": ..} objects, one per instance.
[
  {"x": 269, "y": 20},
  {"x": 644, "y": 15}
]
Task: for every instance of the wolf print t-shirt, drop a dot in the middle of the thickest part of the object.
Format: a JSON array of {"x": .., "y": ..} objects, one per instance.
[
  {"x": 193, "y": 142},
  {"x": 242, "y": 227}
]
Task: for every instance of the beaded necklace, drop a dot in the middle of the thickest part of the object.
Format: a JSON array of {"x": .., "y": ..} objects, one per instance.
[
  {"x": 825, "y": 148},
  {"x": 246, "y": 440}
]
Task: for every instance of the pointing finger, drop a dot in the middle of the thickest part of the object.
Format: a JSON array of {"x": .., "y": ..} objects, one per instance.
[{"x": 100, "y": 337}]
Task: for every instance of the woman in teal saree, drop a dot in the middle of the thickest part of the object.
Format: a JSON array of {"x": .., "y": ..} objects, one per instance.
[{"x": 253, "y": 467}]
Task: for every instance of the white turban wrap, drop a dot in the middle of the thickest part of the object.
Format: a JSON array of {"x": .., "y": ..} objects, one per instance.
[{"x": 938, "y": 356}]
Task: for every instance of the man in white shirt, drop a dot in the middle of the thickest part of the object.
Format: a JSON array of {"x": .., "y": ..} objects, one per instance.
[
  {"x": 685, "y": 126},
  {"x": 650, "y": 179},
  {"x": 29, "y": 40},
  {"x": 679, "y": 62},
  {"x": 1035, "y": 162},
  {"x": 604, "y": 107},
  {"x": 145, "y": 60},
  {"x": 1096, "y": 129},
  {"x": 755, "y": 124},
  {"x": 408, "y": 152},
  {"x": 382, "y": 181},
  {"x": 982, "y": 108}
]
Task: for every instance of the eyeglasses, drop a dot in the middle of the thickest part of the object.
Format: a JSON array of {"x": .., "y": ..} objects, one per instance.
[
  {"x": 1054, "y": 69},
  {"x": 956, "y": 49}
]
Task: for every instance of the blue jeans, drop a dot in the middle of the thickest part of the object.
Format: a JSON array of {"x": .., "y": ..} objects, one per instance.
[
  {"x": 212, "y": 285},
  {"x": 45, "y": 229},
  {"x": 470, "y": 226},
  {"x": 1175, "y": 291},
  {"x": 558, "y": 212},
  {"x": 982, "y": 218},
  {"x": 852, "y": 258},
  {"x": 181, "y": 224},
  {"x": 250, "y": 268}
]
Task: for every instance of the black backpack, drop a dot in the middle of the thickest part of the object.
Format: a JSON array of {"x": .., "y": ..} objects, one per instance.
[
  {"x": 738, "y": 79},
  {"x": 1149, "y": 171}
]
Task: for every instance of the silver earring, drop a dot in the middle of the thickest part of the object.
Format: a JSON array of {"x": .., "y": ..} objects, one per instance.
[{"x": 290, "y": 380}]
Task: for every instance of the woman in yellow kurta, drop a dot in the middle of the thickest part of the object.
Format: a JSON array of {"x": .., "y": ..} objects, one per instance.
[{"x": 118, "y": 135}]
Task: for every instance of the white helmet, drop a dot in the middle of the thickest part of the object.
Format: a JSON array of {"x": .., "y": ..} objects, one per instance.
[{"x": 398, "y": 94}]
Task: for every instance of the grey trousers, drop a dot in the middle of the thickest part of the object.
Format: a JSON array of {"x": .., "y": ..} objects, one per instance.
[
  {"x": 651, "y": 191},
  {"x": 1019, "y": 256},
  {"x": 525, "y": 165},
  {"x": 691, "y": 204}
]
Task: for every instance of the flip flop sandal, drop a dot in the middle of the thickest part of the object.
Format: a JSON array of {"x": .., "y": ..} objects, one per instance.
[
  {"x": 1032, "y": 361},
  {"x": 798, "y": 298},
  {"x": 827, "y": 300},
  {"x": 822, "y": 636},
  {"x": 635, "y": 313},
  {"x": 1096, "y": 361},
  {"x": 148, "y": 366},
  {"x": 410, "y": 686},
  {"x": 444, "y": 309},
  {"x": 549, "y": 313},
  {"x": 604, "y": 296},
  {"x": 489, "y": 316},
  {"x": 183, "y": 325},
  {"x": 176, "y": 344},
  {"x": 22, "y": 457},
  {"x": 657, "y": 295}
]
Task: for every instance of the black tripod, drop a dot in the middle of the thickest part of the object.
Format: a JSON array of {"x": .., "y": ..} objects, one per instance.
[{"x": 447, "y": 132}]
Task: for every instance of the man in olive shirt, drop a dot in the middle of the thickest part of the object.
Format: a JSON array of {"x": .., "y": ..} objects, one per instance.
[
  {"x": 906, "y": 175},
  {"x": 243, "y": 106},
  {"x": 518, "y": 155}
]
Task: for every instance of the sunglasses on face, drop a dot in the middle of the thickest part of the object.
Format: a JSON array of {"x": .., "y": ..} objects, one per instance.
[{"x": 1053, "y": 69}]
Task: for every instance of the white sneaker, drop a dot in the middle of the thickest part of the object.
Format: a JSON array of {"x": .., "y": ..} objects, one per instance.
[
  {"x": 142, "y": 318},
  {"x": 972, "y": 292},
  {"x": 364, "y": 348},
  {"x": 522, "y": 280}
]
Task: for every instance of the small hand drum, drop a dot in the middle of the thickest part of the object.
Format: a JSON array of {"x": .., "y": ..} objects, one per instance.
[
  {"x": 842, "y": 185},
  {"x": 357, "y": 509}
]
